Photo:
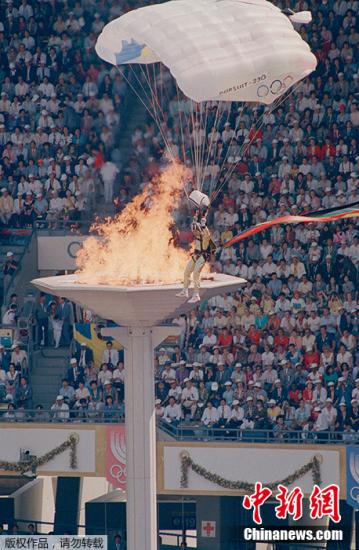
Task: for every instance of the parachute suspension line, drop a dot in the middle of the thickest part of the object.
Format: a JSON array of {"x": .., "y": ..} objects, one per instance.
[
  {"x": 144, "y": 104},
  {"x": 210, "y": 148},
  {"x": 275, "y": 105},
  {"x": 234, "y": 136},
  {"x": 157, "y": 112},
  {"x": 184, "y": 151},
  {"x": 188, "y": 123},
  {"x": 194, "y": 137},
  {"x": 204, "y": 107}
]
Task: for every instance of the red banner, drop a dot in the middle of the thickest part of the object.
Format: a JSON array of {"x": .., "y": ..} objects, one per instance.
[{"x": 116, "y": 456}]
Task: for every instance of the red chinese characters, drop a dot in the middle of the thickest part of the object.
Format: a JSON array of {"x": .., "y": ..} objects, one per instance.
[
  {"x": 325, "y": 502},
  {"x": 322, "y": 502},
  {"x": 291, "y": 503},
  {"x": 256, "y": 500}
]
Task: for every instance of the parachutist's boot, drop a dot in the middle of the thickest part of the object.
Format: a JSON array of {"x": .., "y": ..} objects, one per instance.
[
  {"x": 183, "y": 293},
  {"x": 195, "y": 298}
]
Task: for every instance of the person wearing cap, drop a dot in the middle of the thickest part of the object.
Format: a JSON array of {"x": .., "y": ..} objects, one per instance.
[
  {"x": 236, "y": 416},
  {"x": 330, "y": 414},
  {"x": 196, "y": 374},
  {"x": 84, "y": 355},
  {"x": 168, "y": 372},
  {"x": 74, "y": 373},
  {"x": 159, "y": 409},
  {"x": 60, "y": 410},
  {"x": 10, "y": 267},
  {"x": 175, "y": 391},
  {"x": 163, "y": 357},
  {"x": 19, "y": 357},
  {"x": 343, "y": 416},
  {"x": 228, "y": 394},
  {"x": 273, "y": 411},
  {"x": 189, "y": 398}
]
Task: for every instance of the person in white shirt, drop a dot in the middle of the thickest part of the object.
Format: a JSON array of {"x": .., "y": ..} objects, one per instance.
[
  {"x": 196, "y": 374},
  {"x": 105, "y": 375},
  {"x": 224, "y": 413},
  {"x": 169, "y": 373},
  {"x": 236, "y": 416},
  {"x": 110, "y": 355},
  {"x": 175, "y": 391},
  {"x": 108, "y": 172},
  {"x": 159, "y": 410},
  {"x": 320, "y": 393},
  {"x": 118, "y": 375},
  {"x": 210, "y": 339},
  {"x": 329, "y": 414},
  {"x": 172, "y": 412},
  {"x": 189, "y": 397},
  {"x": 60, "y": 410},
  {"x": 210, "y": 415}
]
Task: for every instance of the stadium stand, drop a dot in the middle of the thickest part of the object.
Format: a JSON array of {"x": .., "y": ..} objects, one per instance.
[{"x": 277, "y": 360}]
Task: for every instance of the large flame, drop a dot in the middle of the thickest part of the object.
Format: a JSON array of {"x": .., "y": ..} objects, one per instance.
[{"x": 137, "y": 246}]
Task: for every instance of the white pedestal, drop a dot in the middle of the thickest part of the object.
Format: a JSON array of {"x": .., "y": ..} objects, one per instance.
[{"x": 141, "y": 511}]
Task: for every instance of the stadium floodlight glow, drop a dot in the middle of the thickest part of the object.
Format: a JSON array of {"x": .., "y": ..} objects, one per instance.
[{"x": 138, "y": 309}]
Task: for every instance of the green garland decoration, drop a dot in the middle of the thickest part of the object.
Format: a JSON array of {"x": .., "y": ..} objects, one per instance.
[
  {"x": 23, "y": 467},
  {"x": 186, "y": 463}
]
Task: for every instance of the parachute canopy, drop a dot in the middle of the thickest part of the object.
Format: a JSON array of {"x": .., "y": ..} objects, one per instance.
[{"x": 222, "y": 50}]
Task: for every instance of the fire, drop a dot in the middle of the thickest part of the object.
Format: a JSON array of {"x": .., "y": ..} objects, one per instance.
[{"x": 137, "y": 246}]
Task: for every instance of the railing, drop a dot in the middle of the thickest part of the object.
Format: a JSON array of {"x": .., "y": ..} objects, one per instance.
[
  {"x": 61, "y": 226},
  {"x": 71, "y": 416},
  {"x": 197, "y": 432}
]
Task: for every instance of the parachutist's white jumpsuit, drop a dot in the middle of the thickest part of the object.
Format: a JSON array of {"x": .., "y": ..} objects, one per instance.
[{"x": 200, "y": 256}]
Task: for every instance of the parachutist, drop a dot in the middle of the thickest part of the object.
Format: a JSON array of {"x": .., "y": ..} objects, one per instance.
[{"x": 204, "y": 247}]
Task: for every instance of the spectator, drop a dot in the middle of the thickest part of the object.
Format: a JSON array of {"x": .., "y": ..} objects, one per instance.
[{"x": 60, "y": 410}]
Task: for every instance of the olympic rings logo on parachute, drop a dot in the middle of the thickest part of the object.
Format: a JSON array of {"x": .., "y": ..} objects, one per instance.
[
  {"x": 276, "y": 87},
  {"x": 243, "y": 85}
]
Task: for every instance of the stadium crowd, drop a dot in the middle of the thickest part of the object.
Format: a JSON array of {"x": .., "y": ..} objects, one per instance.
[
  {"x": 59, "y": 110},
  {"x": 281, "y": 354}
]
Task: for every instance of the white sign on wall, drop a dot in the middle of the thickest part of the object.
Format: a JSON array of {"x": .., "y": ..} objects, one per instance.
[
  {"x": 58, "y": 253},
  {"x": 248, "y": 464},
  {"x": 38, "y": 442}
]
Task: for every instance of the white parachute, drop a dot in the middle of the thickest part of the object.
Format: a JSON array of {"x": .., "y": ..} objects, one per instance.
[{"x": 222, "y": 50}]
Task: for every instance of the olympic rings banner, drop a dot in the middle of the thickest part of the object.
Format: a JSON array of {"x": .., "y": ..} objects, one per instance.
[{"x": 116, "y": 456}]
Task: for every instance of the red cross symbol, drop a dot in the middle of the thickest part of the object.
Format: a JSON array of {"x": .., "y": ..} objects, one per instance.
[{"x": 208, "y": 528}]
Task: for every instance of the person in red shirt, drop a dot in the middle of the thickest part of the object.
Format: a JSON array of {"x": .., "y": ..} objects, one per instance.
[
  {"x": 225, "y": 339},
  {"x": 274, "y": 322},
  {"x": 281, "y": 340},
  {"x": 254, "y": 335},
  {"x": 294, "y": 395},
  {"x": 328, "y": 150},
  {"x": 311, "y": 357}
]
